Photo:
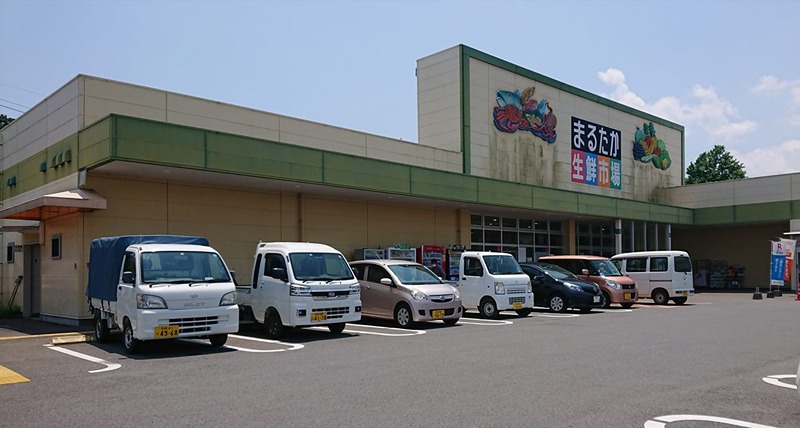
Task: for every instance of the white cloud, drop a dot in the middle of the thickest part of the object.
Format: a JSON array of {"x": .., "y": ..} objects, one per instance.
[
  {"x": 779, "y": 159},
  {"x": 771, "y": 84},
  {"x": 706, "y": 111}
]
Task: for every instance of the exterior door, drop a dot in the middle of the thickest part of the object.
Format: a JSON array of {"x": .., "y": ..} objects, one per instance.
[
  {"x": 32, "y": 299},
  {"x": 377, "y": 297}
]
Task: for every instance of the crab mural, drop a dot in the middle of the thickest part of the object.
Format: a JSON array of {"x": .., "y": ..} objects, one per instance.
[
  {"x": 648, "y": 148},
  {"x": 521, "y": 111}
]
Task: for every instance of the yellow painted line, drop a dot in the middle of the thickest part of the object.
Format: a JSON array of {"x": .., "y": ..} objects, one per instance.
[
  {"x": 32, "y": 336},
  {"x": 8, "y": 376}
]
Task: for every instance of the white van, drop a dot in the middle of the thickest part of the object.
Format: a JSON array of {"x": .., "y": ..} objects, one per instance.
[
  {"x": 660, "y": 275},
  {"x": 493, "y": 282}
]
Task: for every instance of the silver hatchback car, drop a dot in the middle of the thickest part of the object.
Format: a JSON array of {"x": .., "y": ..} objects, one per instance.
[{"x": 405, "y": 292}]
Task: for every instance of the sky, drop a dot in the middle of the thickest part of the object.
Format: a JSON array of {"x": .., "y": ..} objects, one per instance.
[{"x": 728, "y": 71}]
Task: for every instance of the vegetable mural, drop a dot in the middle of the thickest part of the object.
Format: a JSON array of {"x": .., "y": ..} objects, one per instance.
[
  {"x": 648, "y": 148},
  {"x": 517, "y": 111}
]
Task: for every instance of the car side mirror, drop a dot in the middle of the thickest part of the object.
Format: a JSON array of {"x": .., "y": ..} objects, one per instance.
[
  {"x": 386, "y": 281},
  {"x": 128, "y": 278},
  {"x": 233, "y": 276},
  {"x": 538, "y": 279},
  {"x": 279, "y": 273}
]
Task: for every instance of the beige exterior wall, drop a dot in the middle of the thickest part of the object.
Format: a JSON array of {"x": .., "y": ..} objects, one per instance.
[
  {"x": 734, "y": 192},
  {"x": 524, "y": 158},
  {"x": 439, "y": 100},
  {"x": 63, "y": 280},
  {"x": 744, "y": 246}
]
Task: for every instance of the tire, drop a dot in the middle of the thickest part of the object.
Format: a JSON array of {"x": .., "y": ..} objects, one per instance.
[
  {"x": 336, "y": 328},
  {"x": 522, "y": 313},
  {"x": 680, "y": 300},
  {"x": 451, "y": 321},
  {"x": 660, "y": 297},
  {"x": 273, "y": 325},
  {"x": 402, "y": 316},
  {"x": 488, "y": 309},
  {"x": 606, "y": 302},
  {"x": 131, "y": 344},
  {"x": 218, "y": 340},
  {"x": 626, "y": 305},
  {"x": 557, "y": 303},
  {"x": 101, "y": 330}
]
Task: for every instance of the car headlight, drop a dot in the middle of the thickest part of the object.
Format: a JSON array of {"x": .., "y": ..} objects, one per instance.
[
  {"x": 228, "y": 299},
  {"x": 299, "y": 290},
  {"x": 355, "y": 289},
  {"x": 147, "y": 301},
  {"x": 456, "y": 293},
  {"x": 573, "y": 287},
  {"x": 530, "y": 286},
  {"x": 418, "y": 295},
  {"x": 499, "y": 288},
  {"x": 613, "y": 284}
]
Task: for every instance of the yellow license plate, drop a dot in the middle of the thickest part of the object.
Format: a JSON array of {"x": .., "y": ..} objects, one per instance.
[
  {"x": 166, "y": 331},
  {"x": 319, "y": 316},
  {"x": 626, "y": 296},
  {"x": 439, "y": 313},
  {"x": 516, "y": 305},
  {"x": 685, "y": 293}
]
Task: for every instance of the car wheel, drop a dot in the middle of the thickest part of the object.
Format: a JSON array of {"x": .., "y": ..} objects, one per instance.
[
  {"x": 101, "y": 330},
  {"x": 660, "y": 297},
  {"x": 218, "y": 340},
  {"x": 557, "y": 304},
  {"x": 450, "y": 321},
  {"x": 273, "y": 325},
  {"x": 336, "y": 328},
  {"x": 130, "y": 343},
  {"x": 522, "y": 313},
  {"x": 402, "y": 316},
  {"x": 626, "y": 305},
  {"x": 488, "y": 308},
  {"x": 606, "y": 301},
  {"x": 679, "y": 300}
]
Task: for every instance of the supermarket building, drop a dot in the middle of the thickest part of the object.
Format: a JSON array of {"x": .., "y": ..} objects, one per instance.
[{"x": 507, "y": 159}]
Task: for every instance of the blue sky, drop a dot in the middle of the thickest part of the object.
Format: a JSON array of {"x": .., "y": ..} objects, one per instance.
[{"x": 729, "y": 71}]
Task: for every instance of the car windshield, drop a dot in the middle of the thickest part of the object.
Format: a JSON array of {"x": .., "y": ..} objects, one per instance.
[
  {"x": 183, "y": 266},
  {"x": 414, "y": 274},
  {"x": 605, "y": 268},
  {"x": 502, "y": 265},
  {"x": 556, "y": 272},
  {"x": 320, "y": 267}
]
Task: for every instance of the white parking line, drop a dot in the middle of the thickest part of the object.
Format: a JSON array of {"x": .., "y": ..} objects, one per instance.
[
  {"x": 109, "y": 366},
  {"x": 403, "y": 331},
  {"x": 776, "y": 380},
  {"x": 661, "y": 421},
  {"x": 479, "y": 321},
  {"x": 290, "y": 346},
  {"x": 557, "y": 315},
  {"x": 611, "y": 311}
]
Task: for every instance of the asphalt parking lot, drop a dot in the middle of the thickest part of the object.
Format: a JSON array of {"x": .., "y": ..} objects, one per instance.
[{"x": 720, "y": 360}]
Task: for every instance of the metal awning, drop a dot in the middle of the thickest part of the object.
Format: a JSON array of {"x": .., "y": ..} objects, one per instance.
[{"x": 54, "y": 205}]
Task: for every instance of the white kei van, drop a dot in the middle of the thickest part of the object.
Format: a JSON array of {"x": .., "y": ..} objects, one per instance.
[{"x": 660, "y": 275}]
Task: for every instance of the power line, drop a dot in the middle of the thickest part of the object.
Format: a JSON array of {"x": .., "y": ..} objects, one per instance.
[
  {"x": 11, "y": 108},
  {"x": 16, "y": 104}
]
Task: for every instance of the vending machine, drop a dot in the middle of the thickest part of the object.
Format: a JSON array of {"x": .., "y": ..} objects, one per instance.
[
  {"x": 453, "y": 260},
  {"x": 427, "y": 253},
  {"x": 402, "y": 253},
  {"x": 369, "y": 254}
]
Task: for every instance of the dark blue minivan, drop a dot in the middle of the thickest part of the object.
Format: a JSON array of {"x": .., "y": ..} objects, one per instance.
[{"x": 559, "y": 289}]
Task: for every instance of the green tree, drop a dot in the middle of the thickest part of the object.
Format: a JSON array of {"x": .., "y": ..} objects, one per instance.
[
  {"x": 5, "y": 120},
  {"x": 716, "y": 164}
]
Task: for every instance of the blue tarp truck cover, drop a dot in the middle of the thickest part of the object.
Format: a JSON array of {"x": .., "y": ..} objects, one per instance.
[{"x": 106, "y": 254}]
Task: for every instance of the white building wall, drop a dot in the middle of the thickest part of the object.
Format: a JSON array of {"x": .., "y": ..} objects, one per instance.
[
  {"x": 775, "y": 188},
  {"x": 439, "y": 101}
]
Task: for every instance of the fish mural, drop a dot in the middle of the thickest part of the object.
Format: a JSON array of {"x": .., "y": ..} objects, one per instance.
[
  {"x": 648, "y": 148},
  {"x": 521, "y": 111}
]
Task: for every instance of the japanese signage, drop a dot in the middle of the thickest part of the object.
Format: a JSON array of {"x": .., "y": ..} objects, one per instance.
[
  {"x": 777, "y": 264},
  {"x": 596, "y": 155}
]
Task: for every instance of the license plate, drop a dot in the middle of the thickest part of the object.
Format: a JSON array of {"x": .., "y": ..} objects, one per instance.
[
  {"x": 626, "y": 296},
  {"x": 436, "y": 314},
  {"x": 516, "y": 305},
  {"x": 319, "y": 316},
  {"x": 685, "y": 293},
  {"x": 596, "y": 299},
  {"x": 166, "y": 331}
]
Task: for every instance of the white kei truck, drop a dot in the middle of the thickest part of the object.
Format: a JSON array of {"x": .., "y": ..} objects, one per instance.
[
  {"x": 492, "y": 282},
  {"x": 300, "y": 284},
  {"x": 160, "y": 287}
]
